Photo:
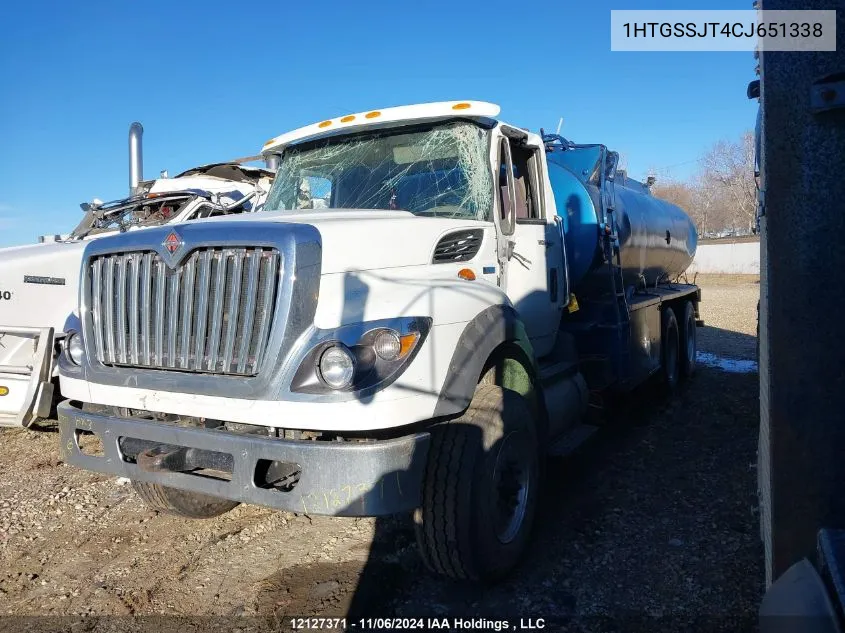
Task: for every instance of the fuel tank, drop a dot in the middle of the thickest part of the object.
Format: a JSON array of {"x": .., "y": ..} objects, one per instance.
[{"x": 656, "y": 238}]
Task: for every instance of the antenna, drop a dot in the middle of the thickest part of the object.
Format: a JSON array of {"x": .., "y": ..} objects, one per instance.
[{"x": 559, "y": 125}]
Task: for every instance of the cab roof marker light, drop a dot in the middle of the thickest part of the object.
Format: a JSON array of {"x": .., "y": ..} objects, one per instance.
[
  {"x": 348, "y": 118},
  {"x": 463, "y": 105},
  {"x": 324, "y": 124},
  {"x": 372, "y": 115}
]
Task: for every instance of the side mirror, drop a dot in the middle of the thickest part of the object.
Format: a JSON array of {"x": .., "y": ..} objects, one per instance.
[
  {"x": 611, "y": 162},
  {"x": 753, "y": 90}
]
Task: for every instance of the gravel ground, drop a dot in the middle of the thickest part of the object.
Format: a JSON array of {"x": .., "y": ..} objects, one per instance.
[{"x": 652, "y": 526}]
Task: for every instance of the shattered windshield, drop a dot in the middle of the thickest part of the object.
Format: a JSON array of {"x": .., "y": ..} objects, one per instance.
[{"x": 441, "y": 171}]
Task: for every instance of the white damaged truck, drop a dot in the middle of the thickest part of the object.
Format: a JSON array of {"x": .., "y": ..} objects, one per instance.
[
  {"x": 422, "y": 313},
  {"x": 39, "y": 282}
]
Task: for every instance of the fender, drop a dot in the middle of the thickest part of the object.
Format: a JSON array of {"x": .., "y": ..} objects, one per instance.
[{"x": 482, "y": 335}]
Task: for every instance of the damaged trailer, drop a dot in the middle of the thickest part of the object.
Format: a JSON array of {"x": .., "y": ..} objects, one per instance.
[{"x": 39, "y": 282}]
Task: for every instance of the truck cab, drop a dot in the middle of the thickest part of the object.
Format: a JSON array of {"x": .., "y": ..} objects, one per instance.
[{"x": 396, "y": 332}]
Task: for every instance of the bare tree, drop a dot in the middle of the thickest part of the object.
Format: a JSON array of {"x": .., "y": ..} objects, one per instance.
[
  {"x": 721, "y": 195},
  {"x": 728, "y": 169},
  {"x": 678, "y": 193}
]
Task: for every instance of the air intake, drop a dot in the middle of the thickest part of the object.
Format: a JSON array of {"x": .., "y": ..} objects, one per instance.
[{"x": 460, "y": 246}]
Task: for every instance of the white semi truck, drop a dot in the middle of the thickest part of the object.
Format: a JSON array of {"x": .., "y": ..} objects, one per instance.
[
  {"x": 39, "y": 282},
  {"x": 398, "y": 331}
]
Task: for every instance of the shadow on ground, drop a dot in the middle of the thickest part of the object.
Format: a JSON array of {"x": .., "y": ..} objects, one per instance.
[{"x": 651, "y": 525}]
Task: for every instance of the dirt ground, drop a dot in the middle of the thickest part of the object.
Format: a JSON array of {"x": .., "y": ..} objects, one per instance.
[{"x": 653, "y": 524}]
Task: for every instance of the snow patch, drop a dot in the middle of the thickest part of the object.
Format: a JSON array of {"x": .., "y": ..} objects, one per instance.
[{"x": 732, "y": 365}]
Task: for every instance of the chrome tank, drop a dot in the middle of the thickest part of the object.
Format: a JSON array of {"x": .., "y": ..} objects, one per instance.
[{"x": 656, "y": 238}]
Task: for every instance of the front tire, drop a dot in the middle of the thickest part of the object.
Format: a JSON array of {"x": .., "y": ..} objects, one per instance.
[
  {"x": 192, "y": 505},
  {"x": 480, "y": 488}
]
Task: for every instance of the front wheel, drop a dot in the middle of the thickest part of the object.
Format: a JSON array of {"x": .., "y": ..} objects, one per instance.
[
  {"x": 480, "y": 488},
  {"x": 192, "y": 505}
]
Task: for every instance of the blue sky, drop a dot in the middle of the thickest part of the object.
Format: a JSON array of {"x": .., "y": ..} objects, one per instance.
[{"x": 213, "y": 80}]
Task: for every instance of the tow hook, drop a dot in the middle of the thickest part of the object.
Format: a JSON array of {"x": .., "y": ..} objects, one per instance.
[{"x": 164, "y": 458}]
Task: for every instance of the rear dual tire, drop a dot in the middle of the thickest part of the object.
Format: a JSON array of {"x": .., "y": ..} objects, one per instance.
[
  {"x": 669, "y": 350},
  {"x": 679, "y": 346},
  {"x": 687, "y": 336}
]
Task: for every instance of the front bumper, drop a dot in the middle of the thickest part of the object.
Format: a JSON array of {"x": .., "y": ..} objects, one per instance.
[{"x": 336, "y": 478}]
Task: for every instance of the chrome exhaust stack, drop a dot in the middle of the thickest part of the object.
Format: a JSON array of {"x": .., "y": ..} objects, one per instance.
[{"x": 136, "y": 157}]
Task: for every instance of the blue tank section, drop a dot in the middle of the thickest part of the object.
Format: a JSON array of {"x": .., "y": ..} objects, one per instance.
[
  {"x": 577, "y": 207},
  {"x": 656, "y": 238}
]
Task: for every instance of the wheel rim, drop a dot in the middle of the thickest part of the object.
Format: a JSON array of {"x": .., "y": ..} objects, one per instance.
[
  {"x": 691, "y": 347},
  {"x": 511, "y": 485}
]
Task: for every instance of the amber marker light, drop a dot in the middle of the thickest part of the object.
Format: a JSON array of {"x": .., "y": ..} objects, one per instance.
[{"x": 407, "y": 342}]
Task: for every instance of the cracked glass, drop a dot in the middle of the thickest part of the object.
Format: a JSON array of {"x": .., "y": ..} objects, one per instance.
[{"x": 442, "y": 171}]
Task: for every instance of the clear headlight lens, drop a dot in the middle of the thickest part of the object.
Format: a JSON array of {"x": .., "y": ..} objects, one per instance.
[
  {"x": 75, "y": 348},
  {"x": 359, "y": 358},
  {"x": 387, "y": 345},
  {"x": 337, "y": 367}
]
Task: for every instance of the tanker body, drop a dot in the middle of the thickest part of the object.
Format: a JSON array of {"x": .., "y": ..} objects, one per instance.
[{"x": 656, "y": 240}]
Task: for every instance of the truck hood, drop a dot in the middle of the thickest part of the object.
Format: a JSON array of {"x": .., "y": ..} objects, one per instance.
[
  {"x": 39, "y": 284},
  {"x": 359, "y": 240}
]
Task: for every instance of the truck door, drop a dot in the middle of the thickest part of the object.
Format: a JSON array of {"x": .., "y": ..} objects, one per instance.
[{"x": 534, "y": 276}]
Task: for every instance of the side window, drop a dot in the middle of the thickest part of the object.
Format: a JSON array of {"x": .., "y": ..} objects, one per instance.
[
  {"x": 525, "y": 178},
  {"x": 315, "y": 192},
  {"x": 505, "y": 182}
]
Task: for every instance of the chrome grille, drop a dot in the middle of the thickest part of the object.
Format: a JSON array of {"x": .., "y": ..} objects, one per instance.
[{"x": 210, "y": 314}]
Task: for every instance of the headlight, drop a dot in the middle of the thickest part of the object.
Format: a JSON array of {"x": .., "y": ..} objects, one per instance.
[
  {"x": 360, "y": 358},
  {"x": 75, "y": 348},
  {"x": 337, "y": 367},
  {"x": 387, "y": 345}
]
